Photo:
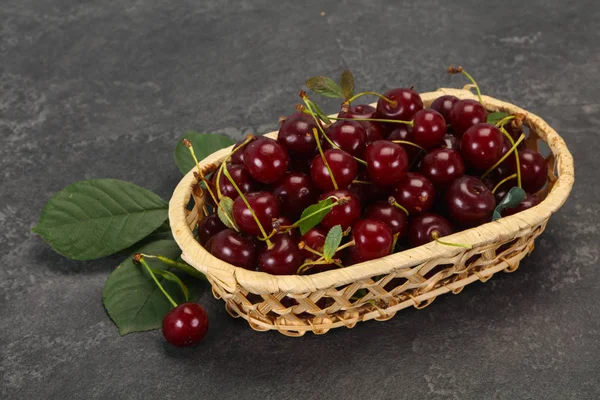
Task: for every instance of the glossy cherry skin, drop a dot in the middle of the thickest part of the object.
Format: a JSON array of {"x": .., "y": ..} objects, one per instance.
[
  {"x": 469, "y": 202},
  {"x": 442, "y": 167},
  {"x": 185, "y": 325},
  {"x": 390, "y": 215},
  {"x": 422, "y": 228},
  {"x": 527, "y": 203},
  {"x": 405, "y": 133},
  {"x": 344, "y": 215},
  {"x": 429, "y": 128},
  {"x": 265, "y": 206},
  {"x": 481, "y": 146},
  {"x": 343, "y": 167},
  {"x": 295, "y": 191},
  {"x": 374, "y": 130},
  {"x": 266, "y": 160},
  {"x": 233, "y": 248},
  {"x": 465, "y": 114},
  {"x": 238, "y": 156},
  {"x": 373, "y": 239},
  {"x": 208, "y": 227},
  {"x": 349, "y": 136},
  {"x": 443, "y": 105},
  {"x": 534, "y": 170},
  {"x": 415, "y": 193},
  {"x": 296, "y": 135},
  {"x": 451, "y": 142},
  {"x": 315, "y": 239},
  {"x": 240, "y": 176},
  {"x": 387, "y": 162},
  {"x": 285, "y": 221},
  {"x": 284, "y": 258},
  {"x": 407, "y": 103}
]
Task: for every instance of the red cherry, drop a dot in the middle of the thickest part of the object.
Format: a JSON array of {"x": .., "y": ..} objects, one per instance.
[
  {"x": 238, "y": 156},
  {"x": 387, "y": 162},
  {"x": 296, "y": 134},
  {"x": 265, "y": 206},
  {"x": 285, "y": 221},
  {"x": 208, "y": 227},
  {"x": 406, "y": 104},
  {"x": 469, "y": 202},
  {"x": 373, "y": 239},
  {"x": 425, "y": 227},
  {"x": 534, "y": 169},
  {"x": 465, "y": 114},
  {"x": 415, "y": 193},
  {"x": 185, "y": 325},
  {"x": 442, "y": 167},
  {"x": 315, "y": 239},
  {"x": 443, "y": 105},
  {"x": 392, "y": 216},
  {"x": 374, "y": 130},
  {"x": 526, "y": 204},
  {"x": 349, "y": 136},
  {"x": 481, "y": 146},
  {"x": 295, "y": 192},
  {"x": 405, "y": 133},
  {"x": 284, "y": 258},
  {"x": 343, "y": 167},
  {"x": 233, "y": 248},
  {"x": 240, "y": 176},
  {"x": 344, "y": 215},
  {"x": 429, "y": 128},
  {"x": 266, "y": 160}
]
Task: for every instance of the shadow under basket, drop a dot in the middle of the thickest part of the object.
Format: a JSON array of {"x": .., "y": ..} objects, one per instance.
[{"x": 377, "y": 289}]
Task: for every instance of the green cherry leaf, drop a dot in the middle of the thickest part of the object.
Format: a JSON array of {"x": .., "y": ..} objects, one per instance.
[
  {"x": 204, "y": 145},
  {"x": 319, "y": 112},
  {"x": 332, "y": 242},
  {"x": 226, "y": 204},
  {"x": 494, "y": 117},
  {"x": 132, "y": 299},
  {"x": 347, "y": 84},
  {"x": 325, "y": 86},
  {"x": 96, "y": 218},
  {"x": 395, "y": 241},
  {"x": 313, "y": 215},
  {"x": 512, "y": 199}
]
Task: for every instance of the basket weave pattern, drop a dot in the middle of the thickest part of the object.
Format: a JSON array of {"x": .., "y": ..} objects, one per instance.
[{"x": 294, "y": 305}]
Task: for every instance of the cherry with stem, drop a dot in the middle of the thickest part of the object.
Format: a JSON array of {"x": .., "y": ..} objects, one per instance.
[
  {"x": 223, "y": 164},
  {"x": 391, "y": 102},
  {"x": 504, "y": 157}
]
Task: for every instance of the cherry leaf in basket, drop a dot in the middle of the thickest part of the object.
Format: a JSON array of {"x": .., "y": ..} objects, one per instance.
[
  {"x": 313, "y": 215},
  {"x": 226, "y": 206},
  {"x": 332, "y": 242},
  {"x": 494, "y": 117},
  {"x": 96, "y": 218},
  {"x": 347, "y": 84},
  {"x": 133, "y": 300},
  {"x": 204, "y": 144},
  {"x": 512, "y": 199},
  {"x": 325, "y": 86},
  {"x": 319, "y": 112}
]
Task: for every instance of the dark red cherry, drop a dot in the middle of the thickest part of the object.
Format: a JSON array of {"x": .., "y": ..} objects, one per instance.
[
  {"x": 406, "y": 104},
  {"x": 266, "y": 160},
  {"x": 451, "y": 142},
  {"x": 374, "y": 130},
  {"x": 429, "y": 128},
  {"x": 343, "y": 167},
  {"x": 240, "y": 176},
  {"x": 208, "y": 227},
  {"x": 415, "y": 193},
  {"x": 387, "y": 162},
  {"x": 369, "y": 193},
  {"x": 238, "y": 156},
  {"x": 265, "y": 206},
  {"x": 442, "y": 167},
  {"x": 527, "y": 203},
  {"x": 534, "y": 170},
  {"x": 284, "y": 258},
  {"x": 390, "y": 215},
  {"x": 233, "y": 248},
  {"x": 481, "y": 146},
  {"x": 513, "y": 131},
  {"x": 426, "y": 227},
  {"x": 185, "y": 325},
  {"x": 349, "y": 136},
  {"x": 295, "y": 191},
  {"x": 344, "y": 215},
  {"x": 285, "y": 221},
  {"x": 296, "y": 135},
  {"x": 443, "y": 105},
  {"x": 373, "y": 239},
  {"x": 405, "y": 133},
  {"x": 465, "y": 114},
  {"x": 315, "y": 239},
  {"x": 469, "y": 202}
]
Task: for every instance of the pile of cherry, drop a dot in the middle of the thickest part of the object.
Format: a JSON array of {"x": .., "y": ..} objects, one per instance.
[{"x": 397, "y": 176}]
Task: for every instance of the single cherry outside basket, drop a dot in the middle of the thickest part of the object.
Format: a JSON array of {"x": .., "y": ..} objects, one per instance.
[{"x": 380, "y": 288}]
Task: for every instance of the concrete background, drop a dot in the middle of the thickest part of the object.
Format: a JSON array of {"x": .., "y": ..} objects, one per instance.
[{"x": 95, "y": 89}]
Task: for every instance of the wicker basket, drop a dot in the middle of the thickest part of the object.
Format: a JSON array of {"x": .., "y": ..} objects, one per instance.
[{"x": 414, "y": 277}]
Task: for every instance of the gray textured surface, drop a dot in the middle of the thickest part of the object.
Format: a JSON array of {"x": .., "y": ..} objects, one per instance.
[{"x": 103, "y": 88}]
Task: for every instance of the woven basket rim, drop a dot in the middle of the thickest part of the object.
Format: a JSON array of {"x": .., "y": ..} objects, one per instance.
[{"x": 230, "y": 276}]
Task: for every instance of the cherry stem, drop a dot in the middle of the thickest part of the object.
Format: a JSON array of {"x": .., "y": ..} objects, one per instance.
[
  {"x": 410, "y": 144},
  {"x": 393, "y": 121},
  {"x": 508, "y": 178},
  {"x": 188, "y": 144},
  {"x": 392, "y": 103},
  {"x": 335, "y": 185},
  {"x": 188, "y": 269},
  {"x": 504, "y": 120},
  {"x": 139, "y": 258},
  {"x": 392, "y": 201},
  {"x": 345, "y": 246},
  {"x": 245, "y": 200},
  {"x": 517, "y": 162},
  {"x": 453, "y": 70},
  {"x": 311, "y": 250},
  {"x": 321, "y": 261},
  {"x": 362, "y": 182},
  {"x": 435, "y": 235},
  {"x": 504, "y": 157}
]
